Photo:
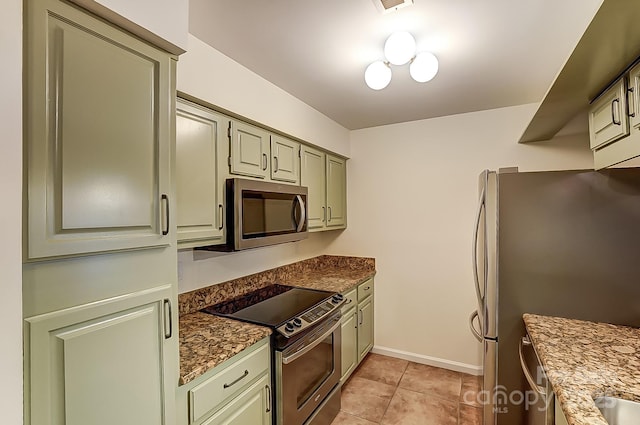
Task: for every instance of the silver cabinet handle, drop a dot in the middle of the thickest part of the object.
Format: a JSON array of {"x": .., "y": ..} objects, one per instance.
[
  {"x": 165, "y": 198},
  {"x": 314, "y": 344},
  {"x": 235, "y": 381},
  {"x": 324, "y": 214},
  {"x": 329, "y": 208},
  {"x": 275, "y": 164},
  {"x": 268, "y": 391},
  {"x": 631, "y": 100},
  {"x": 613, "y": 113},
  {"x": 477, "y": 333},
  {"x": 264, "y": 161},
  {"x": 349, "y": 301},
  {"x": 360, "y": 317},
  {"x": 527, "y": 373},
  {"x": 168, "y": 319},
  {"x": 221, "y": 211}
]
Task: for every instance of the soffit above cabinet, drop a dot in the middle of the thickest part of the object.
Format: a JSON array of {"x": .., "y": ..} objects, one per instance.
[{"x": 608, "y": 47}]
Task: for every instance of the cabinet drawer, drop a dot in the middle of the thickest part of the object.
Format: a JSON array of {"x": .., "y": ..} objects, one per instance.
[
  {"x": 215, "y": 390},
  {"x": 350, "y": 301},
  {"x": 365, "y": 289}
]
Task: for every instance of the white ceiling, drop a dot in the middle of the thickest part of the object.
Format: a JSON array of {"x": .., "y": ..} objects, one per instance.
[{"x": 492, "y": 53}]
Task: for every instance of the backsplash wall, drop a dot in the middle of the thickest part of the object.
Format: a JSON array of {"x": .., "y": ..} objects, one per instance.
[{"x": 197, "y": 269}]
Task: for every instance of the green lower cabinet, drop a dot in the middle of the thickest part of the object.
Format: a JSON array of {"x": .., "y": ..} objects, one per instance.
[
  {"x": 349, "y": 343},
  {"x": 104, "y": 363},
  {"x": 357, "y": 327},
  {"x": 251, "y": 407},
  {"x": 365, "y": 327},
  {"x": 237, "y": 392}
]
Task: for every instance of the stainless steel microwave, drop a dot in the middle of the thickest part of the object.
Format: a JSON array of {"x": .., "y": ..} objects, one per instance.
[{"x": 263, "y": 213}]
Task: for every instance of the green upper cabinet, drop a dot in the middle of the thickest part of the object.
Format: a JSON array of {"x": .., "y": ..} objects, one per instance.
[
  {"x": 633, "y": 95},
  {"x": 608, "y": 120},
  {"x": 249, "y": 150},
  {"x": 285, "y": 160},
  {"x": 325, "y": 176},
  {"x": 98, "y": 135},
  {"x": 312, "y": 175},
  {"x": 200, "y": 209},
  {"x": 104, "y": 363},
  {"x": 336, "y": 192}
]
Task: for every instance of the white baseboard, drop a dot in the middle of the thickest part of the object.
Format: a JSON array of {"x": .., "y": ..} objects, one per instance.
[{"x": 431, "y": 361}]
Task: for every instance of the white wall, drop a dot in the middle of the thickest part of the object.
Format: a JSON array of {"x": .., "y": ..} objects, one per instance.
[
  {"x": 197, "y": 269},
  {"x": 208, "y": 75},
  {"x": 162, "y": 22},
  {"x": 10, "y": 213},
  {"x": 412, "y": 191}
]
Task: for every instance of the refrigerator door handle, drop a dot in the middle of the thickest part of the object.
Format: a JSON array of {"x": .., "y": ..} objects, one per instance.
[
  {"x": 477, "y": 333},
  {"x": 527, "y": 373},
  {"x": 476, "y": 232}
]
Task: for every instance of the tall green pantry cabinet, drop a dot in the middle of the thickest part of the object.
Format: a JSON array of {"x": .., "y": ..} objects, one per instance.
[{"x": 99, "y": 272}]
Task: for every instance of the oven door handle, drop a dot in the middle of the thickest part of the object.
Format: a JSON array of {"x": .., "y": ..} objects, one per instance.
[{"x": 314, "y": 344}]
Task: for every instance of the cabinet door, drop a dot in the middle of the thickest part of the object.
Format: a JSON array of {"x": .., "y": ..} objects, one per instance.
[
  {"x": 103, "y": 363},
  {"x": 633, "y": 96},
  {"x": 336, "y": 192},
  {"x": 250, "y": 407},
  {"x": 365, "y": 327},
  {"x": 198, "y": 195},
  {"x": 608, "y": 119},
  {"x": 312, "y": 175},
  {"x": 249, "y": 150},
  {"x": 99, "y": 108},
  {"x": 349, "y": 343},
  {"x": 285, "y": 160}
]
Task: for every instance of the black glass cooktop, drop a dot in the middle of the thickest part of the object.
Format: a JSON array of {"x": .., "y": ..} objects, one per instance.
[{"x": 271, "y": 306}]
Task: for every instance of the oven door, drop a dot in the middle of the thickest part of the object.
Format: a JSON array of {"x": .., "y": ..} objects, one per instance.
[{"x": 307, "y": 371}]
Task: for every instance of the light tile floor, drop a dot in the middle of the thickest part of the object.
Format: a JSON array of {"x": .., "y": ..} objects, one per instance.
[{"x": 389, "y": 391}]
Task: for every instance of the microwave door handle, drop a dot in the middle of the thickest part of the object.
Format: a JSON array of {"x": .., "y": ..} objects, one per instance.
[{"x": 303, "y": 213}]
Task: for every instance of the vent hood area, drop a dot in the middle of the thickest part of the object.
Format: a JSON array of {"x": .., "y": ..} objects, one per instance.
[{"x": 610, "y": 44}]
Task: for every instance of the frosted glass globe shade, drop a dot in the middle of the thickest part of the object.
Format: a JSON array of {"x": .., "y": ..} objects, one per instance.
[
  {"x": 377, "y": 75},
  {"x": 424, "y": 67},
  {"x": 400, "y": 48}
]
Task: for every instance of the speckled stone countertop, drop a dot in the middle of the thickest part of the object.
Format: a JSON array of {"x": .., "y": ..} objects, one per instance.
[
  {"x": 206, "y": 340},
  {"x": 326, "y": 272},
  {"x": 584, "y": 360}
]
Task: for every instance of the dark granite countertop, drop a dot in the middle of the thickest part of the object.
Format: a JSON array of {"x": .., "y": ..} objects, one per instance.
[
  {"x": 584, "y": 360},
  {"x": 206, "y": 340}
]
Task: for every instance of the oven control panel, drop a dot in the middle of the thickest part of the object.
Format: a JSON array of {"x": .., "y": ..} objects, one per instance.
[{"x": 311, "y": 316}]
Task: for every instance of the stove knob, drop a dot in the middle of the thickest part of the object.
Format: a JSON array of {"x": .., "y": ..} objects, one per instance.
[
  {"x": 337, "y": 298},
  {"x": 288, "y": 327},
  {"x": 297, "y": 322}
]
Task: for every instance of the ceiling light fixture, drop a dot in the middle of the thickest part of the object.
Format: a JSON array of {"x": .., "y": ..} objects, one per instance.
[{"x": 399, "y": 49}]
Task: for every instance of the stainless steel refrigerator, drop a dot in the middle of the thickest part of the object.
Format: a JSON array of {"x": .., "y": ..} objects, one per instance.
[{"x": 562, "y": 243}]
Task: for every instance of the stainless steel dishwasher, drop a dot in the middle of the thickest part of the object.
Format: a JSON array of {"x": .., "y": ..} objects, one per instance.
[{"x": 538, "y": 399}]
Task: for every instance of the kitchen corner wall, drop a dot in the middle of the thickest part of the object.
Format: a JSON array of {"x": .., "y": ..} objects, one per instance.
[
  {"x": 212, "y": 77},
  {"x": 412, "y": 192},
  {"x": 11, "y": 213}
]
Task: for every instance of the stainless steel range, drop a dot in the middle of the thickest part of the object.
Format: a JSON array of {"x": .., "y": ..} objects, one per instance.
[{"x": 305, "y": 348}]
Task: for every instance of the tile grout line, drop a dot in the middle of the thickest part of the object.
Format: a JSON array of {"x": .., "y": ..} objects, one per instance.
[{"x": 394, "y": 393}]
